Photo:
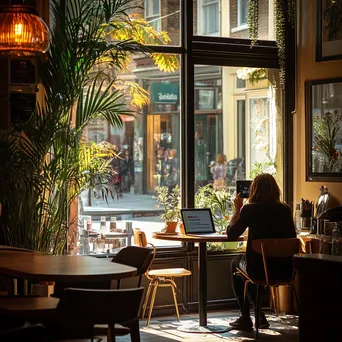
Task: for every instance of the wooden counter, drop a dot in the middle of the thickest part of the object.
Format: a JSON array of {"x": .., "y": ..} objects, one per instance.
[{"x": 320, "y": 293}]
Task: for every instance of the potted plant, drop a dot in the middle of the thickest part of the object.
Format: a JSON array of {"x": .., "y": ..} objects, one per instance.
[
  {"x": 221, "y": 205},
  {"x": 45, "y": 162},
  {"x": 170, "y": 202}
]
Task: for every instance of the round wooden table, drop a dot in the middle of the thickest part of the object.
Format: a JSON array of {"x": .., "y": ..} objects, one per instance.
[
  {"x": 202, "y": 240},
  {"x": 61, "y": 268}
]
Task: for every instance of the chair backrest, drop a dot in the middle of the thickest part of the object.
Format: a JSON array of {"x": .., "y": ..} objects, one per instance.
[
  {"x": 138, "y": 257},
  {"x": 90, "y": 307},
  {"x": 275, "y": 248},
  {"x": 140, "y": 238}
]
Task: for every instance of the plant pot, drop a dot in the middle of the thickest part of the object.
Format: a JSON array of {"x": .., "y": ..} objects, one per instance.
[{"x": 170, "y": 227}]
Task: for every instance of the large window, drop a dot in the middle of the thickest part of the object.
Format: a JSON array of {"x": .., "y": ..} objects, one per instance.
[{"x": 233, "y": 111}]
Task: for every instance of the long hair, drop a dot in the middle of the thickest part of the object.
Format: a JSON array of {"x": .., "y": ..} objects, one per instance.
[
  {"x": 264, "y": 188},
  {"x": 220, "y": 159}
]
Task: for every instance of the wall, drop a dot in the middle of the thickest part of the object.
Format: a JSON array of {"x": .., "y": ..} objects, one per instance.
[{"x": 308, "y": 69}]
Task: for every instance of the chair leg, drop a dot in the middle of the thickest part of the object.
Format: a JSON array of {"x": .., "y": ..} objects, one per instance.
[
  {"x": 25, "y": 285},
  {"x": 274, "y": 300},
  {"x": 245, "y": 291},
  {"x": 147, "y": 297},
  {"x": 257, "y": 312},
  {"x": 15, "y": 287},
  {"x": 135, "y": 332},
  {"x": 152, "y": 302},
  {"x": 295, "y": 295},
  {"x": 111, "y": 334},
  {"x": 173, "y": 288}
]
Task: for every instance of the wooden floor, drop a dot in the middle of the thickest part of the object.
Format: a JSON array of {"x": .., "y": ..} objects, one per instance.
[{"x": 283, "y": 328}]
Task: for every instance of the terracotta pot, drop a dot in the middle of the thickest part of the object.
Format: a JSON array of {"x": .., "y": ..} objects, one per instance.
[{"x": 170, "y": 227}]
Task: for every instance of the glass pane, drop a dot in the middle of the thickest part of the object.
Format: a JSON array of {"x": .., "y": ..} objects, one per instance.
[
  {"x": 224, "y": 18},
  {"x": 164, "y": 16},
  {"x": 149, "y": 147},
  {"x": 238, "y": 133}
]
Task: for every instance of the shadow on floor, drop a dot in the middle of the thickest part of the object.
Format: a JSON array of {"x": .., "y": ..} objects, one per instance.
[{"x": 283, "y": 328}]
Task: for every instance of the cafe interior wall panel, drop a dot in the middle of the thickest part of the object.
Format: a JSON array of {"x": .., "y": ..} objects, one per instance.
[
  {"x": 309, "y": 69},
  {"x": 219, "y": 286}
]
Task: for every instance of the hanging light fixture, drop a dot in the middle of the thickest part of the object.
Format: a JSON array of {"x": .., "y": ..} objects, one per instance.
[{"x": 22, "y": 31}]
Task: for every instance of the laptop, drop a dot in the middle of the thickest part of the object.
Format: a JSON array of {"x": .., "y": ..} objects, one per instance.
[{"x": 198, "y": 222}]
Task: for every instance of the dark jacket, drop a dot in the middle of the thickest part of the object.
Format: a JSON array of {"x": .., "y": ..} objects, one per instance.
[{"x": 264, "y": 221}]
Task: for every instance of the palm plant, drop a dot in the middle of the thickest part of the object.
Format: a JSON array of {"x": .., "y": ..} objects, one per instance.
[{"x": 46, "y": 164}]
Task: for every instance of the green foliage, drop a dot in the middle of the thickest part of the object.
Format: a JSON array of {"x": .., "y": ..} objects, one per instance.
[
  {"x": 253, "y": 20},
  {"x": 45, "y": 164},
  {"x": 220, "y": 203},
  {"x": 284, "y": 13},
  {"x": 170, "y": 201},
  {"x": 258, "y": 168},
  {"x": 253, "y": 75},
  {"x": 325, "y": 134}
]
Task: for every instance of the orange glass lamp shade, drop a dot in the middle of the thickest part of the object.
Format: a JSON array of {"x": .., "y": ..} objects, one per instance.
[{"x": 22, "y": 31}]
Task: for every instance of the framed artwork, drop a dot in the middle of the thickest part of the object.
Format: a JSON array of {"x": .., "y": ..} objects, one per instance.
[
  {"x": 324, "y": 130},
  {"x": 329, "y": 30}
]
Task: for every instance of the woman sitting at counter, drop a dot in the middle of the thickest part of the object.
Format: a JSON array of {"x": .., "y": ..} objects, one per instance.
[{"x": 266, "y": 217}]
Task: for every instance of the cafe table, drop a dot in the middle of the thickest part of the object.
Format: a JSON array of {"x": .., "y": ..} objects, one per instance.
[
  {"x": 203, "y": 326},
  {"x": 62, "y": 268}
]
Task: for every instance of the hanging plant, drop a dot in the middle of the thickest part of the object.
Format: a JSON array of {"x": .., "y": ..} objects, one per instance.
[
  {"x": 253, "y": 75},
  {"x": 253, "y": 20},
  {"x": 284, "y": 13},
  {"x": 280, "y": 35}
]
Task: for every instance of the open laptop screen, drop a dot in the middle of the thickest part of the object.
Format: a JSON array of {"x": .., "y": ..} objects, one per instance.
[{"x": 197, "y": 221}]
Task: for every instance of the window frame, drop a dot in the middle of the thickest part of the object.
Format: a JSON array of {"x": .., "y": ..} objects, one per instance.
[{"x": 222, "y": 51}]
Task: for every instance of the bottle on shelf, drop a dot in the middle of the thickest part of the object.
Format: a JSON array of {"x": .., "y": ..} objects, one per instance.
[
  {"x": 103, "y": 225},
  {"x": 298, "y": 219},
  {"x": 112, "y": 226}
]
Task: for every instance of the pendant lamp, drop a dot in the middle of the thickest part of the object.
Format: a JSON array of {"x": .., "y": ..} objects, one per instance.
[{"x": 22, "y": 31}]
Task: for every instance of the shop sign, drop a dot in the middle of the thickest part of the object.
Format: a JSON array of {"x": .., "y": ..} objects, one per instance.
[{"x": 166, "y": 93}]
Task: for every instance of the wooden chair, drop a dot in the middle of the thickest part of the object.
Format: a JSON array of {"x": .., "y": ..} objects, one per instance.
[
  {"x": 79, "y": 310},
  {"x": 158, "y": 278},
  {"x": 138, "y": 257},
  {"x": 271, "y": 248}
]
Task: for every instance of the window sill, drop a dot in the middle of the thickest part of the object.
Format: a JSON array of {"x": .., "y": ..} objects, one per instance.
[{"x": 239, "y": 28}]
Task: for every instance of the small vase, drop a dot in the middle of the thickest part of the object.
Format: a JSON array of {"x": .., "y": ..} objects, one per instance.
[{"x": 332, "y": 165}]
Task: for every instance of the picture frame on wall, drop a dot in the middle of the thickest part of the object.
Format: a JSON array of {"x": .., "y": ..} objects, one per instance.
[
  {"x": 329, "y": 30},
  {"x": 323, "y": 123}
]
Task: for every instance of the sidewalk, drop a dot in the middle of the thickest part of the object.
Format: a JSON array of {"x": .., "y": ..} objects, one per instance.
[{"x": 128, "y": 205}]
